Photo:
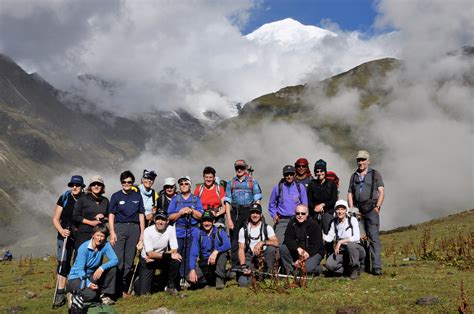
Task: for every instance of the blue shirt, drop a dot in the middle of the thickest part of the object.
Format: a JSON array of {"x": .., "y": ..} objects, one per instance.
[
  {"x": 178, "y": 202},
  {"x": 241, "y": 193},
  {"x": 287, "y": 199},
  {"x": 88, "y": 260},
  {"x": 203, "y": 247},
  {"x": 126, "y": 207}
]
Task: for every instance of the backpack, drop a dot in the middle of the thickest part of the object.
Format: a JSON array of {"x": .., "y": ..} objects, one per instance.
[
  {"x": 372, "y": 185},
  {"x": 213, "y": 240},
  {"x": 334, "y": 222},
  {"x": 65, "y": 198},
  {"x": 280, "y": 191},
  {"x": 263, "y": 233},
  {"x": 330, "y": 175},
  {"x": 101, "y": 308}
]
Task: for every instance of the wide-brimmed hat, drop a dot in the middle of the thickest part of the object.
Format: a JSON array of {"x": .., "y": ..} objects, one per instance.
[
  {"x": 76, "y": 179},
  {"x": 96, "y": 178}
]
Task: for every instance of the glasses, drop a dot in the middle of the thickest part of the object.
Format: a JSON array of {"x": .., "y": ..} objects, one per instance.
[
  {"x": 301, "y": 214},
  {"x": 289, "y": 175},
  {"x": 94, "y": 184},
  {"x": 361, "y": 159},
  {"x": 319, "y": 171},
  {"x": 127, "y": 182},
  {"x": 301, "y": 166},
  {"x": 183, "y": 183},
  {"x": 167, "y": 187},
  {"x": 75, "y": 185},
  {"x": 239, "y": 168}
]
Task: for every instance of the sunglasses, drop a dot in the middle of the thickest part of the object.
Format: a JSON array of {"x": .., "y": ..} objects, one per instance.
[
  {"x": 183, "y": 183},
  {"x": 301, "y": 214},
  {"x": 319, "y": 171},
  {"x": 127, "y": 182},
  {"x": 169, "y": 187},
  {"x": 301, "y": 166},
  {"x": 239, "y": 168},
  {"x": 289, "y": 175},
  {"x": 75, "y": 185},
  {"x": 94, "y": 184}
]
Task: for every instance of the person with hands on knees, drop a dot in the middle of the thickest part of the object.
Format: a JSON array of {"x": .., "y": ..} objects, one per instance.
[
  {"x": 303, "y": 242},
  {"x": 127, "y": 224},
  {"x": 348, "y": 253},
  {"x": 155, "y": 255},
  {"x": 89, "y": 275},
  {"x": 256, "y": 240},
  {"x": 208, "y": 254}
]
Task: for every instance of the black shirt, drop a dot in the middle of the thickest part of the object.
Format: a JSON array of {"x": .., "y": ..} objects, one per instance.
[
  {"x": 87, "y": 208},
  {"x": 67, "y": 201},
  {"x": 322, "y": 193}
]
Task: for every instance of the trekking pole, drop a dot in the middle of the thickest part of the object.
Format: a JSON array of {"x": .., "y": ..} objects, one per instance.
[
  {"x": 63, "y": 251},
  {"x": 139, "y": 250},
  {"x": 183, "y": 279}
]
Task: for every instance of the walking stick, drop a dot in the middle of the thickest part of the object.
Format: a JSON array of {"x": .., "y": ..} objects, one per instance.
[
  {"x": 139, "y": 250},
  {"x": 63, "y": 251},
  {"x": 183, "y": 279}
]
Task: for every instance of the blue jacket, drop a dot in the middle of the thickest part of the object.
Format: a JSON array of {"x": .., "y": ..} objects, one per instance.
[
  {"x": 178, "y": 202},
  {"x": 126, "y": 207},
  {"x": 287, "y": 199},
  {"x": 88, "y": 260},
  {"x": 202, "y": 244}
]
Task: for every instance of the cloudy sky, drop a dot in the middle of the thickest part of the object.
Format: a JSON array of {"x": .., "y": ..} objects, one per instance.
[{"x": 187, "y": 54}]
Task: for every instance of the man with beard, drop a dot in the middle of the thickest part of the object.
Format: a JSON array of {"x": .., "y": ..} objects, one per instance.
[
  {"x": 155, "y": 255},
  {"x": 367, "y": 192},
  {"x": 303, "y": 242},
  {"x": 208, "y": 254},
  {"x": 256, "y": 239}
]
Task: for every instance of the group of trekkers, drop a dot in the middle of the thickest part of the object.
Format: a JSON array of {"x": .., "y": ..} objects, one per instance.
[{"x": 190, "y": 235}]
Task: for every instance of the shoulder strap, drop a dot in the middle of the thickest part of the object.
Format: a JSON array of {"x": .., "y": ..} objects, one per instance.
[
  {"x": 350, "y": 225},
  {"x": 299, "y": 190},
  {"x": 280, "y": 193},
  {"x": 250, "y": 178},
  {"x": 218, "y": 190},
  {"x": 201, "y": 189},
  {"x": 219, "y": 235},
  {"x": 372, "y": 186},
  {"x": 246, "y": 236},
  {"x": 65, "y": 198},
  {"x": 263, "y": 231}
]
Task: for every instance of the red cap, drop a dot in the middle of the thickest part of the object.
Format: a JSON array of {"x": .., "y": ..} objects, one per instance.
[{"x": 302, "y": 161}]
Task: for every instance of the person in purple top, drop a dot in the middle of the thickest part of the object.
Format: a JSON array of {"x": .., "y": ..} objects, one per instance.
[
  {"x": 127, "y": 223},
  {"x": 286, "y": 195}
]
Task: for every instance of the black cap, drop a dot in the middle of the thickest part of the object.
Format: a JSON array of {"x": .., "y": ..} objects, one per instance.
[
  {"x": 160, "y": 214},
  {"x": 288, "y": 169},
  {"x": 207, "y": 216},
  {"x": 256, "y": 208},
  {"x": 149, "y": 174}
]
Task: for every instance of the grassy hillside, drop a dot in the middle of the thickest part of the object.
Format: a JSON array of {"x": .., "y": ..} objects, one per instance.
[{"x": 430, "y": 259}]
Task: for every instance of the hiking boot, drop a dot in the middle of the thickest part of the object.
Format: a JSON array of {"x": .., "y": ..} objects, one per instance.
[
  {"x": 355, "y": 273},
  {"x": 377, "y": 272},
  {"x": 220, "y": 283},
  {"x": 106, "y": 300},
  {"x": 60, "y": 300}
]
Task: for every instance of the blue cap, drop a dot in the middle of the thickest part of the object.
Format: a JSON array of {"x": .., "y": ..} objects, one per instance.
[{"x": 76, "y": 179}]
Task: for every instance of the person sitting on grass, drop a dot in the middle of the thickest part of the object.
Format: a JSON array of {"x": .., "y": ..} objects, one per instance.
[
  {"x": 155, "y": 255},
  {"x": 89, "y": 275},
  {"x": 208, "y": 254},
  {"x": 303, "y": 243},
  {"x": 348, "y": 253},
  {"x": 256, "y": 240}
]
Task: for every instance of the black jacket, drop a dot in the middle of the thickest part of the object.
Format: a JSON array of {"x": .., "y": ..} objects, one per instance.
[
  {"x": 87, "y": 208},
  {"x": 307, "y": 235},
  {"x": 322, "y": 193}
]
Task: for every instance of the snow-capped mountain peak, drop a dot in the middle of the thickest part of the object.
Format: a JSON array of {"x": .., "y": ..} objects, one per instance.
[{"x": 288, "y": 32}]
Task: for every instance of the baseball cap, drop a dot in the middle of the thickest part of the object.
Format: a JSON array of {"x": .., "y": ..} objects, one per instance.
[
  {"x": 341, "y": 203},
  {"x": 363, "y": 154},
  {"x": 288, "y": 169}
]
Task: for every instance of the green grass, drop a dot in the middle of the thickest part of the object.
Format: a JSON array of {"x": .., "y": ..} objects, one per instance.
[{"x": 397, "y": 290}]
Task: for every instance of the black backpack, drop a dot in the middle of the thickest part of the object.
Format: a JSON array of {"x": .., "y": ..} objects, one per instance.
[{"x": 263, "y": 233}]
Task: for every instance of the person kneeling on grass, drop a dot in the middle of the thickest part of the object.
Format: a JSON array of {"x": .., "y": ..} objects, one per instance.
[
  {"x": 157, "y": 239},
  {"x": 303, "y": 242},
  {"x": 348, "y": 253},
  {"x": 89, "y": 276},
  {"x": 210, "y": 246},
  {"x": 256, "y": 239}
]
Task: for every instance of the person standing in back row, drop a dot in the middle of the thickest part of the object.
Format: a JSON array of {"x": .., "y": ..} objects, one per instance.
[
  {"x": 366, "y": 192},
  {"x": 303, "y": 174},
  {"x": 241, "y": 193}
]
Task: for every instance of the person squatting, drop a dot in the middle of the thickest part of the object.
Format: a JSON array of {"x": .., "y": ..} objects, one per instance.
[{"x": 190, "y": 236}]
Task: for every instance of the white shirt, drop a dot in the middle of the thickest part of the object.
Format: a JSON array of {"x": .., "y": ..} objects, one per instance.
[
  {"x": 254, "y": 234},
  {"x": 344, "y": 231},
  {"x": 154, "y": 241}
]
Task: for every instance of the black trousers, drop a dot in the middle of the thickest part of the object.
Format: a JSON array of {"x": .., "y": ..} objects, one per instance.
[
  {"x": 240, "y": 216},
  {"x": 146, "y": 272},
  {"x": 106, "y": 285}
]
